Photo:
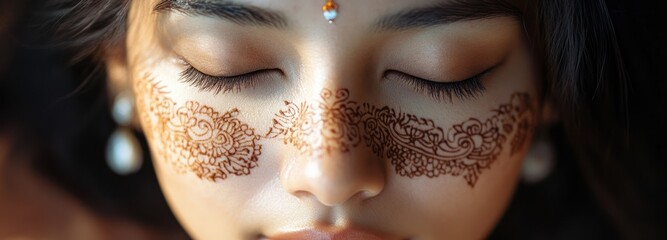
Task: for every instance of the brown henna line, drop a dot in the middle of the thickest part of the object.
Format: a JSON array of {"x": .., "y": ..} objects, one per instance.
[
  {"x": 213, "y": 145},
  {"x": 415, "y": 146},
  {"x": 195, "y": 137}
]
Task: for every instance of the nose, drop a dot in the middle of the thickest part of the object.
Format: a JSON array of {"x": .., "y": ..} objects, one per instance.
[
  {"x": 332, "y": 164},
  {"x": 335, "y": 178}
]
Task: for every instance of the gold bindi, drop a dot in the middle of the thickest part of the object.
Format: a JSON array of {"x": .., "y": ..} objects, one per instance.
[{"x": 330, "y": 11}]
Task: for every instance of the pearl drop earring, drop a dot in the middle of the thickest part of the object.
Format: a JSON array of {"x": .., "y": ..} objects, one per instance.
[
  {"x": 124, "y": 155},
  {"x": 539, "y": 161}
]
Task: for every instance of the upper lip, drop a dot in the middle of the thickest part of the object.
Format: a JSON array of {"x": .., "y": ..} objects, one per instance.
[{"x": 330, "y": 234}]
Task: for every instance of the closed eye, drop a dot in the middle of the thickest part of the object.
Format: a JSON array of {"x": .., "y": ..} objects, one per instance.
[
  {"x": 225, "y": 84},
  {"x": 469, "y": 88}
]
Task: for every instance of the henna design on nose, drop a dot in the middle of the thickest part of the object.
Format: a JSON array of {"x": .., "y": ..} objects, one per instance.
[
  {"x": 334, "y": 128},
  {"x": 415, "y": 146},
  {"x": 196, "y": 138}
]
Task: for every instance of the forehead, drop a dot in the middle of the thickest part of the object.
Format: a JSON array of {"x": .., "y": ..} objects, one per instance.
[
  {"x": 351, "y": 14},
  {"x": 348, "y": 5}
]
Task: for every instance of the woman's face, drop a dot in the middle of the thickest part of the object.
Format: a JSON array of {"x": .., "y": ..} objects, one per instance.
[{"x": 402, "y": 119}]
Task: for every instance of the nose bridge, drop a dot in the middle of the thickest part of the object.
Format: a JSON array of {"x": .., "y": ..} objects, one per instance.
[
  {"x": 334, "y": 61},
  {"x": 324, "y": 121},
  {"x": 331, "y": 163}
]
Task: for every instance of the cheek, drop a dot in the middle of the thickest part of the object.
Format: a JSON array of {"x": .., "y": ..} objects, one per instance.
[
  {"x": 201, "y": 157},
  {"x": 487, "y": 153},
  {"x": 195, "y": 138},
  {"x": 446, "y": 209}
]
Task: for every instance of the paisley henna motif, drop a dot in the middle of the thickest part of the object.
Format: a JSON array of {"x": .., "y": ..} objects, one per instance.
[
  {"x": 195, "y": 137},
  {"x": 415, "y": 146}
]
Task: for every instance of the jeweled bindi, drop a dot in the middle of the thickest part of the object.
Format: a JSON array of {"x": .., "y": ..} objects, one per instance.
[{"x": 330, "y": 11}]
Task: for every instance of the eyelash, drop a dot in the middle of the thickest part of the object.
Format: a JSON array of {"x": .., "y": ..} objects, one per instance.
[
  {"x": 470, "y": 88},
  {"x": 223, "y": 84}
]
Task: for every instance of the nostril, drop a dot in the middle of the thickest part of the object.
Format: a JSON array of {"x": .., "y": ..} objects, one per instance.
[
  {"x": 339, "y": 196},
  {"x": 367, "y": 194},
  {"x": 301, "y": 195}
]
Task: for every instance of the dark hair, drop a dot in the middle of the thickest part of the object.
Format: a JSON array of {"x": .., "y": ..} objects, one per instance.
[
  {"x": 586, "y": 79},
  {"x": 598, "y": 73},
  {"x": 55, "y": 106},
  {"x": 590, "y": 84}
]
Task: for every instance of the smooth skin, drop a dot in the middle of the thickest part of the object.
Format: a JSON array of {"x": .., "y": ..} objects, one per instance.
[{"x": 291, "y": 191}]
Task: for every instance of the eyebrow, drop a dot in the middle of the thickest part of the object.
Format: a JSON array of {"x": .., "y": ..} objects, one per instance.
[
  {"x": 445, "y": 13},
  {"x": 233, "y": 12}
]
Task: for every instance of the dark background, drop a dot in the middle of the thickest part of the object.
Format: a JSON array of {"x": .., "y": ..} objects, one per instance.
[{"x": 48, "y": 111}]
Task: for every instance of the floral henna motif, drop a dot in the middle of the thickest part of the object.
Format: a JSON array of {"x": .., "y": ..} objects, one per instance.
[
  {"x": 197, "y": 138},
  {"x": 301, "y": 126},
  {"x": 415, "y": 146}
]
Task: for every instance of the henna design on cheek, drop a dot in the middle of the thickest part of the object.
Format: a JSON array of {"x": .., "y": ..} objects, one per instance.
[
  {"x": 195, "y": 137},
  {"x": 415, "y": 146}
]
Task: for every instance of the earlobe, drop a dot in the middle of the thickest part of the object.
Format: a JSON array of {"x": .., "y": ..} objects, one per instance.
[
  {"x": 548, "y": 116},
  {"x": 540, "y": 160},
  {"x": 118, "y": 78},
  {"x": 117, "y": 71}
]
